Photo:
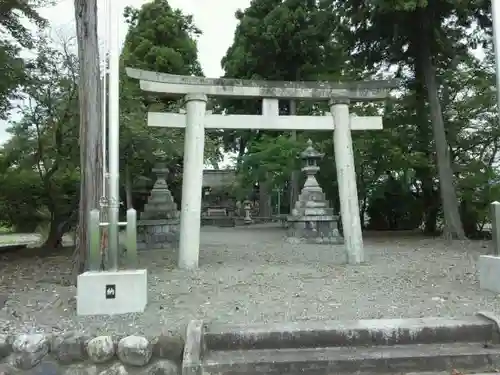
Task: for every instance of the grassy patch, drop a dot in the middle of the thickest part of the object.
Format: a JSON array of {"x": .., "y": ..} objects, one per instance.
[{"x": 6, "y": 230}]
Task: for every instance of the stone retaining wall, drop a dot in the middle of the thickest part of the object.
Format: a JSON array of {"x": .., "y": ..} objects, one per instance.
[{"x": 78, "y": 354}]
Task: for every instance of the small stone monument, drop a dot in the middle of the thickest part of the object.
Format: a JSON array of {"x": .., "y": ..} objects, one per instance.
[
  {"x": 312, "y": 220},
  {"x": 489, "y": 265},
  {"x": 158, "y": 226}
]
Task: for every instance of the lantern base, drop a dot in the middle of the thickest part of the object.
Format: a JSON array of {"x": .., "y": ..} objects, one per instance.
[{"x": 314, "y": 230}]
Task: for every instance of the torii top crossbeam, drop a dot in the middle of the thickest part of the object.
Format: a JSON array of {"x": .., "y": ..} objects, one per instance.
[{"x": 176, "y": 85}]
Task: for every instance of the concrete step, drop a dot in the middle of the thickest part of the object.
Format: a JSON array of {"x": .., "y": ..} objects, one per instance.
[
  {"x": 453, "y": 372},
  {"x": 313, "y": 334},
  {"x": 466, "y": 358}
]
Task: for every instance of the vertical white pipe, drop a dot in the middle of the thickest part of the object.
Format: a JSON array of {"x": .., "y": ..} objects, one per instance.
[
  {"x": 495, "y": 15},
  {"x": 114, "y": 133},
  {"x": 106, "y": 31}
]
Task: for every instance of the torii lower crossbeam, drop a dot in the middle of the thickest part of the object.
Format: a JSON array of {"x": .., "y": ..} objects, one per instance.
[{"x": 178, "y": 120}]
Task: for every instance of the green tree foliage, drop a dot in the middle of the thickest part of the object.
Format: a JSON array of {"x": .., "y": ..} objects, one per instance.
[
  {"x": 440, "y": 126},
  {"x": 13, "y": 35},
  {"x": 425, "y": 38},
  {"x": 280, "y": 154},
  {"x": 283, "y": 40},
  {"x": 160, "y": 39},
  {"x": 439, "y": 143},
  {"x": 40, "y": 163},
  {"x": 11, "y": 75},
  {"x": 279, "y": 40}
]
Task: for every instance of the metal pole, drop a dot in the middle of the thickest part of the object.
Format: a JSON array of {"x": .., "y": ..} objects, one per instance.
[
  {"x": 114, "y": 134},
  {"x": 495, "y": 206},
  {"x": 495, "y": 14},
  {"x": 495, "y": 227},
  {"x": 107, "y": 32}
]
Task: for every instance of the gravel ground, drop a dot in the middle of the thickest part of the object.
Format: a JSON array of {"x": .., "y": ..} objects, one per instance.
[{"x": 250, "y": 274}]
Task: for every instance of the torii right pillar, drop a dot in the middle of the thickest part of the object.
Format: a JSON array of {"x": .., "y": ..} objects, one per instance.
[{"x": 346, "y": 177}]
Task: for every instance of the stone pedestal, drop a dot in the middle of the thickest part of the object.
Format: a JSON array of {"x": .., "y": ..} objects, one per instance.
[
  {"x": 158, "y": 226},
  {"x": 489, "y": 265},
  {"x": 312, "y": 220},
  {"x": 489, "y": 273},
  {"x": 112, "y": 292}
]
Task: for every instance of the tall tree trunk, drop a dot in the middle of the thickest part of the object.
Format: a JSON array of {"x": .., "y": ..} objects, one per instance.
[
  {"x": 56, "y": 232},
  {"x": 90, "y": 124},
  {"x": 60, "y": 224},
  {"x": 430, "y": 198},
  {"x": 453, "y": 223},
  {"x": 295, "y": 177},
  {"x": 242, "y": 144},
  {"x": 425, "y": 173},
  {"x": 264, "y": 199}
]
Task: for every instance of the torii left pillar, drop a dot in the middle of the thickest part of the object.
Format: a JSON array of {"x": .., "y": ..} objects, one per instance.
[{"x": 194, "y": 145}]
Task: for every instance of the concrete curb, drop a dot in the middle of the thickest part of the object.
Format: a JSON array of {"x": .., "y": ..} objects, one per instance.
[
  {"x": 493, "y": 318},
  {"x": 311, "y": 334},
  {"x": 380, "y": 346},
  {"x": 465, "y": 357}
]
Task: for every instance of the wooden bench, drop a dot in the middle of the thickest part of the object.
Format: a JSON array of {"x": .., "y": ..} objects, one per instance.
[
  {"x": 282, "y": 219},
  {"x": 220, "y": 221}
]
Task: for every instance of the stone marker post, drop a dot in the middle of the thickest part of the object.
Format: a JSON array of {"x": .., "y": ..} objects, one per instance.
[
  {"x": 131, "y": 235},
  {"x": 94, "y": 241},
  {"x": 489, "y": 265}
]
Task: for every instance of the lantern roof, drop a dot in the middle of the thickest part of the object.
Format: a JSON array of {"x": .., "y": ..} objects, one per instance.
[{"x": 310, "y": 153}]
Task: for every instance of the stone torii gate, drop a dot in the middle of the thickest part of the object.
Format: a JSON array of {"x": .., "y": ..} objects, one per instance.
[{"x": 196, "y": 119}]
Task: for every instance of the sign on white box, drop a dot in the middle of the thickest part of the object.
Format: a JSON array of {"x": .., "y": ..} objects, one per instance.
[{"x": 112, "y": 292}]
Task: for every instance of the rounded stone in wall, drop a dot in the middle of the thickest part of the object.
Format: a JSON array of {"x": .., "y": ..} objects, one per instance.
[
  {"x": 168, "y": 346},
  {"x": 69, "y": 347},
  {"x": 115, "y": 369},
  {"x": 135, "y": 350},
  {"x": 5, "y": 347},
  {"x": 81, "y": 369},
  {"x": 162, "y": 367},
  {"x": 29, "y": 350},
  {"x": 101, "y": 349},
  {"x": 46, "y": 367},
  {"x": 6, "y": 369}
]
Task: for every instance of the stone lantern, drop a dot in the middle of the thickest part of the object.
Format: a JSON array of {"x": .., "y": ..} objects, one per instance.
[
  {"x": 312, "y": 220},
  {"x": 159, "y": 222},
  {"x": 247, "y": 206}
]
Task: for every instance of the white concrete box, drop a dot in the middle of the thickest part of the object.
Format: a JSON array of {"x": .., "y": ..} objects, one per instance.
[
  {"x": 112, "y": 292},
  {"x": 489, "y": 273}
]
